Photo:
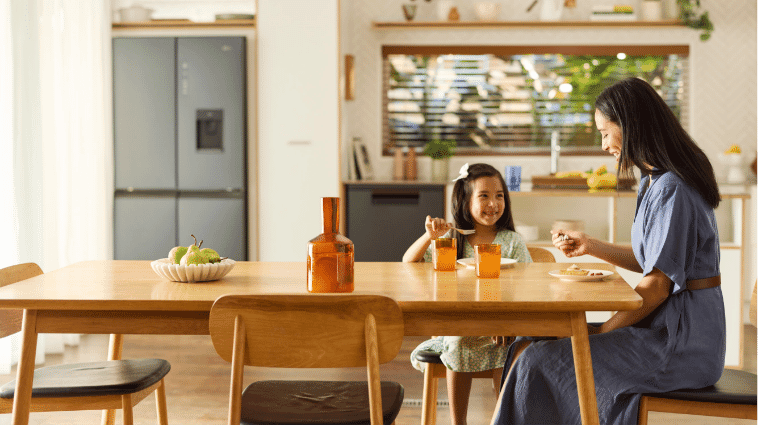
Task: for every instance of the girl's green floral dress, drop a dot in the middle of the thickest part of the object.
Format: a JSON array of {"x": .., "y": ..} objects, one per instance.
[{"x": 473, "y": 353}]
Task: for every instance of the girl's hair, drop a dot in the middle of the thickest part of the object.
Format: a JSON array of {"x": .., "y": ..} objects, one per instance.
[
  {"x": 652, "y": 137},
  {"x": 462, "y": 192}
]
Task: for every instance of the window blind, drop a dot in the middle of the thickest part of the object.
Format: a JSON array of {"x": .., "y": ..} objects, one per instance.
[{"x": 510, "y": 100}]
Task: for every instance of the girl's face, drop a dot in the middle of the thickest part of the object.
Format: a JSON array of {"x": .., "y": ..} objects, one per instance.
[
  {"x": 611, "y": 134},
  {"x": 487, "y": 201}
]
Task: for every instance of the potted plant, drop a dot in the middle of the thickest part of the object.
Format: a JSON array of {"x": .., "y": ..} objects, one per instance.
[
  {"x": 688, "y": 13},
  {"x": 440, "y": 151}
]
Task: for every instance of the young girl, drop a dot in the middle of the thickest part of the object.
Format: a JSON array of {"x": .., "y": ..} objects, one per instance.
[{"x": 480, "y": 202}]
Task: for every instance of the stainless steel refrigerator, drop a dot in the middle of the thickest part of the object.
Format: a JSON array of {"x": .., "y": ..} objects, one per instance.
[{"x": 179, "y": 134}]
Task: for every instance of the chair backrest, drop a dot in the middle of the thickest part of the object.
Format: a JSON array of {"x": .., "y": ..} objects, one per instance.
[
  {"x": 541, "y": 255},
  {"x": 306, "y": 331},
  {"x": 10, "y": 320}
]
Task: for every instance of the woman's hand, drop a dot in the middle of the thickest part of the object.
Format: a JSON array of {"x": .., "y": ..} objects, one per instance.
[
  {"x": 436, "y": 227},
  {"x": 571, "y": 243}
]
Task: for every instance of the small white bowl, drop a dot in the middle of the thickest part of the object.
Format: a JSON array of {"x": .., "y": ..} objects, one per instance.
[
  {"x": 193, "y": 272},
  {"x": 487, "y": 11}
]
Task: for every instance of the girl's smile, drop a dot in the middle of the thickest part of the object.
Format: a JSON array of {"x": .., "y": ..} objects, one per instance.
[{"x": 487, "y": 201}]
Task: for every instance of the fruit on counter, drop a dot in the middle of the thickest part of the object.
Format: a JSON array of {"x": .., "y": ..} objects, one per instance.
[
  {"x": 600, "y": 170},
  {"x": 176, "y": 254},
  {"x": 734, "y": 149},
  {"x": 565, "y": 174},
  {"x": 602, "y": 181}
]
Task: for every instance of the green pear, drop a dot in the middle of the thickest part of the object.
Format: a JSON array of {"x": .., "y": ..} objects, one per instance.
[
  {"x": 193, "y": 255},
  {"x": 210, "y": 255},
  {"x": 176, "y": 254}
]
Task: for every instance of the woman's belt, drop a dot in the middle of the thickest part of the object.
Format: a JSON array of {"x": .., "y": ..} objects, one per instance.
[{"x": 709, "y": 282}]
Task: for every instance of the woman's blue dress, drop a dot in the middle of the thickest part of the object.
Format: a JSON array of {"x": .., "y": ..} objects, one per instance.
[{"x": 679, "y": 345}]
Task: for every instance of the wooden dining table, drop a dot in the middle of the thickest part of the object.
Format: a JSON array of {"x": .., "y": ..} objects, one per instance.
[{"x": 128, "y": 297}]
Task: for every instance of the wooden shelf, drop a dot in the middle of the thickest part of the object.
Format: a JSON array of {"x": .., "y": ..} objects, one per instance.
[
  {"x": 184, "y": 23},
  {"x": 522, "y": 24}
]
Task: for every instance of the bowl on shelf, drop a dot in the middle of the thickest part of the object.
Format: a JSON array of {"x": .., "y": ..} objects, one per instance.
[
  {"x": 487, "y": 11},
  {"x": 135, "y": 13}
]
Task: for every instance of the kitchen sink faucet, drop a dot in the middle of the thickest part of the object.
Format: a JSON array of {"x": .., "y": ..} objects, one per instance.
[{"x": 555, "y": 151}]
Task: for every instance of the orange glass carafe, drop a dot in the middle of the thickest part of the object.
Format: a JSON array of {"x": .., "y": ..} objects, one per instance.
[{"x": 330, "y": 255}]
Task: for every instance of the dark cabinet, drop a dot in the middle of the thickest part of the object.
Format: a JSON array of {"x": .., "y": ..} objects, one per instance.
[{"x": 383, "y": 220}]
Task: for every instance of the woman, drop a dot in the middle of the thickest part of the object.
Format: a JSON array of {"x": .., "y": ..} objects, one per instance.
[{"x": 677, "y": 338}]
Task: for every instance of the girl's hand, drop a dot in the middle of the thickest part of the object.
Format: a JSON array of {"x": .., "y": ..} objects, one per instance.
[
  {"x": 571, "y": 243},
  {"x": 503, "y": 341},
  {"x": 436, "y": 227}
]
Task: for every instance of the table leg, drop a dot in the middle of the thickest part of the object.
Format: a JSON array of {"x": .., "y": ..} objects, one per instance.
[
  {"x": 115, "y": 349},
  {"x": 22, "y": 399},
  {"x": 585, "y": 379}
]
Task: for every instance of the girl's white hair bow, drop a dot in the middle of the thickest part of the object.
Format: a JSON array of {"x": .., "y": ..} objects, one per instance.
[{"x": 463, "y": 173}]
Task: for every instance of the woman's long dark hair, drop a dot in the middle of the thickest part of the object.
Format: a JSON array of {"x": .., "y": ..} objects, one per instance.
[
  {"x": 652, "y": 137},
  {"x": 462, "y": 192}
]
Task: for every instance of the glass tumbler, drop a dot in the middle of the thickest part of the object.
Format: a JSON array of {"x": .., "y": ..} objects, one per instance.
[
  {"x": 487, "y": 260},
  {"x": 443, "y": 254}
]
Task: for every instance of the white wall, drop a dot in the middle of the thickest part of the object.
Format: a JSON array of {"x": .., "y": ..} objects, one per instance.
[
  {"x": 298, "y": 122},
  {"x": 723, "y": 70}
]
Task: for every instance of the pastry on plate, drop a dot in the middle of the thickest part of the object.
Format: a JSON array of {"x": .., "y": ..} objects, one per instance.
[{"x": 574, "y": 270}]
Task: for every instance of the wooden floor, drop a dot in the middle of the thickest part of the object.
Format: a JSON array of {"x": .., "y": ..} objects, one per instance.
[{"x": 197, "y": 387}]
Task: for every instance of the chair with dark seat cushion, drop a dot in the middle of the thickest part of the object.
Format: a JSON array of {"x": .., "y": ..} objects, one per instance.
[
  {"x": 309, "y": 331},
  {"x": 116, "y": 384},
  {"x": 733, "y": 396},
  {"x": 435, "y": 369}
]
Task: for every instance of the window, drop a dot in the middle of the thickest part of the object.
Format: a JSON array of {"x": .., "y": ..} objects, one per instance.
[{"x": 510, "y": 100}]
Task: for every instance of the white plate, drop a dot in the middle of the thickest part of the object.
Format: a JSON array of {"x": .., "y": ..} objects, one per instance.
[
  {"x": 193, "y": 272},
  {"x": 575, "y": 278},
  {"x": 471, "y": 263}
]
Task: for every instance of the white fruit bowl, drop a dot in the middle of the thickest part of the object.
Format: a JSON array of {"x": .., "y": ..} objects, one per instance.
[{"x": 193, "y": 272}]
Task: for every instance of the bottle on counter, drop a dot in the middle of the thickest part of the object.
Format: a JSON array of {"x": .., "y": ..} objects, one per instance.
[
  {"x": 411, "y": 165},
  {"x": 398, "y": 165},
  {"x": 331, "y": 257}
]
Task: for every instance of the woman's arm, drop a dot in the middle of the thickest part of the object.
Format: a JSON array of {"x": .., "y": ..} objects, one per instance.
[
  {"x": 435, "y": 228},
  {"x": 654, "y": 289},
  {"x": 579, "y": 243}
]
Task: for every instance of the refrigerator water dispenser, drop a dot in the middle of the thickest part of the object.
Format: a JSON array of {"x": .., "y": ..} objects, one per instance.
[{"x": 209, "y": 129}]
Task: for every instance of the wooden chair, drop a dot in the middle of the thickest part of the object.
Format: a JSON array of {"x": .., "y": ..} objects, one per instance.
[
  {"x": 119, "y": 384},
  {"x": 541, "y": 255},
  {"x": 733, "y": 396},
  {"x": 436, "y": 370},
  {"x": 309, "y": 331}
]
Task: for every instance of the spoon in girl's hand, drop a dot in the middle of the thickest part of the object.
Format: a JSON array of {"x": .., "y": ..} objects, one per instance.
[{"x": 464, "y": 232}]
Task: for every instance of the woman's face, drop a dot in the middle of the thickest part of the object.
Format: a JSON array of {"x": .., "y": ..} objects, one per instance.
[
  {"x": 487, "y": 200},
  {"x": 611, "y": 134}
]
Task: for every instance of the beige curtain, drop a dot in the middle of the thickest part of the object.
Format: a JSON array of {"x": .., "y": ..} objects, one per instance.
[{"x": 62, "y": 167}]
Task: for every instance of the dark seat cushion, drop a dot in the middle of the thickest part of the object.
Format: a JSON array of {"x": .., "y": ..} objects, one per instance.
[
  {"x": 734, "y": 387},
  {"x": 316, "y": 402},
  {"x": 116, "y": 377},
  {"x": 427, "y": 356}
]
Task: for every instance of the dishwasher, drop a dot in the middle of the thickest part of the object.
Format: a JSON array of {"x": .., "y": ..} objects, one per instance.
[{"x": 383, "y": 220}]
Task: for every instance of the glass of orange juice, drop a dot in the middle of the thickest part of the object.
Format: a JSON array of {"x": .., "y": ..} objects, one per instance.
[
  {"x": 487, "y": 260},
  {"x": 443, "y": 254}
]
